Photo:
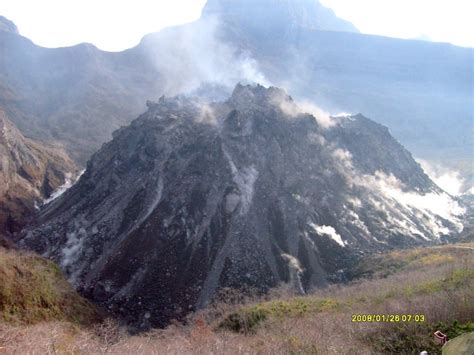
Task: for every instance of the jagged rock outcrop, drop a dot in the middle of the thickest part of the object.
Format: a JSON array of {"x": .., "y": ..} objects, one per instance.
[
  {"x": 30, "y": 172},
  {"x": 193, "y": 197}
]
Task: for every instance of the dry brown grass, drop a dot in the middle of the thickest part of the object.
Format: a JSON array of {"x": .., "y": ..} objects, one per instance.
[
  {"x": 33, "y": 289},
  {"x": 438, "y": 283}
]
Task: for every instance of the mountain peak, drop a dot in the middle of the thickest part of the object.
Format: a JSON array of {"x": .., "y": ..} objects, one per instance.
[
  {"x": 258, "y": 91},
  {"x": 278, "y": 13},
  {"x": 192, "y": 198},
  {"x": 8, "y": 26}
]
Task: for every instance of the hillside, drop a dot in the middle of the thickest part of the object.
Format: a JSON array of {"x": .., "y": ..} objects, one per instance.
[
  {"x": 193, "y": 197},
  {"x": 437, "y": 283},
  {"x": 30, "y": 172},
  {"x": 80, "y": 95},
  {"x": 415, "y": 88},
  {"x": 75, "y": 96},
  {"x": 34, "y": 290}
]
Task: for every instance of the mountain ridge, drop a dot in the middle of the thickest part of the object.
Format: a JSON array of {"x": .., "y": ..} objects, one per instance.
[
  {"x": 8, "y": 26},
  {"x": 300, "y": 13},
  {"x": 341, "y": 71}
]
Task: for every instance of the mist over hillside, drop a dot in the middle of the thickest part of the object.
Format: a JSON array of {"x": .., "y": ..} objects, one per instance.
[{"x": 79, "y": 95}]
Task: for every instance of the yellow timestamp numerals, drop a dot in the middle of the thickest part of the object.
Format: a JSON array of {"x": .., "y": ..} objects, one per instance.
[{"x": 388, "y": 318}]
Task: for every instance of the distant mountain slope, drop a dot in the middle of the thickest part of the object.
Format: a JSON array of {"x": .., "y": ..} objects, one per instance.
[
  {"x": 7, "y": 26},
  {"x": 422, "y": 91},
  {"x": 274, "y": 16},
  {"x": 193, "y": 197},
  {"x": 29, "y": 172},
  {"x": 76, "y": 95}
]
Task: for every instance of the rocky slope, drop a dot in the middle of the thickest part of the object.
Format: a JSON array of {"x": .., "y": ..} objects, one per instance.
[
  {"x": 193, "y": 197},
  {"x": 30, "y": 172}
]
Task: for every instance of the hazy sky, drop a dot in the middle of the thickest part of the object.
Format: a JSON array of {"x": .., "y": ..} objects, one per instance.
[
  {"x": 109, "y": 24},
  {"x": 120, "y": 24},
  {"x": 439, "y": 20}
]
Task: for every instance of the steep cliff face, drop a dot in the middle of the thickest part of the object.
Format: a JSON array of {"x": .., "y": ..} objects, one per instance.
[
  {"x": 192, "y": 197},
  {"x": 29, "y": 173}
]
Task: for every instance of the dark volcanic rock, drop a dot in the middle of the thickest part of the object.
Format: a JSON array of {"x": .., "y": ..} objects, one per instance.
[{"x": 193, "y": 197}]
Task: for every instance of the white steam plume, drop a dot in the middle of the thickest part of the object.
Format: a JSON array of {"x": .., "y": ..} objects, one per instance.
[
  {"x": 295, "y": 108},
  {"x": 449, "y": 180},
  {"x": 295, "y": 272},
  {"x": 192, "y": 55}
]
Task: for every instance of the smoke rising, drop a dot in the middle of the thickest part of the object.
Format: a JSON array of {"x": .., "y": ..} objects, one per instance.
[
  {"x": 449, "y": 180},
  {"x": 407, "y": 211},
  {"x": 296, "y": 271},
  {"x": 329, "y": 232},
  {"x": 294, "y": 109},
  {"x": 192, "y": 55},
  {"x": 430, "y": 206}
]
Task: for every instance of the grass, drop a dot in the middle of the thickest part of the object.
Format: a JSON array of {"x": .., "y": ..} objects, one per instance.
[
  {"x": 33, "y": 289},
  {"x": 435, "y": 282},
  {"x": 247, "y": 319},
  {"x": 383, "y": 265}
]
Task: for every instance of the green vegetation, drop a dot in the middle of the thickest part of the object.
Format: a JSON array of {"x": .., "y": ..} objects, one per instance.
[
  {"x": 437, "y": 283},
  {"x": 383, "y": 265},
  {"x": 407, "y": 339},
  {"x": 463, "y": 344},
  {"x": 248, "y": 318},
  {"x": 33, "y": 289}
]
